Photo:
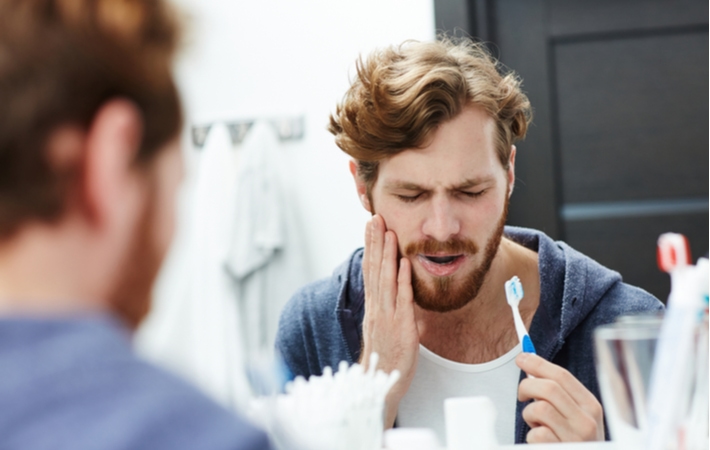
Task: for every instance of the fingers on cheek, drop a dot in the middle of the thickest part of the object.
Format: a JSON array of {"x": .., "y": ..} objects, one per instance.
[
  {"x": 404, "y": 275},
  {"x": 389, "y": 260},
  {"x": 366, "y": 272},
  {"x": 541, "y": 434},
  {"x": 388, "y": 251},
  {"x": 366, "y": 252}
]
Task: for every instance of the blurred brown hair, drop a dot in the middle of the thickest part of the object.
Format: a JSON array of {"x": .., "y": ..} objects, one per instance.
[
  {"x": 402, "y": 94},
  {"x": 60, "y": 60}
]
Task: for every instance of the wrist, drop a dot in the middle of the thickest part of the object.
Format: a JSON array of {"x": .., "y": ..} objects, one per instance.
[
  {"x": 364, "y": 359},
  {"x": 390, "y": 412}
]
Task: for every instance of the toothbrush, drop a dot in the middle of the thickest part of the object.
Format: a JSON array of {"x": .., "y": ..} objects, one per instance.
[
  {"x": 514, "y": 293},
  {"x": 669, "y": 384}
]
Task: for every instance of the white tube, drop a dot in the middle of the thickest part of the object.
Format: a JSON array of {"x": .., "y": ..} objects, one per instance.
[{"x": 669, "y": 379}]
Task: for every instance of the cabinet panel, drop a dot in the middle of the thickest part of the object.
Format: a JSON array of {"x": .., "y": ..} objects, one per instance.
[
  {"x": 628, "y": 245},
  {"x": 633, "y": 118}
]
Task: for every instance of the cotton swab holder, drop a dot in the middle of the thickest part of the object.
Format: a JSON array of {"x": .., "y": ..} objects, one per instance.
[{"x": 341, "y": 411}]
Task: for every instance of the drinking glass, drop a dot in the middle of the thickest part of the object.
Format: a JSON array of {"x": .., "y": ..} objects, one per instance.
[{"x": 624, "y": 359}]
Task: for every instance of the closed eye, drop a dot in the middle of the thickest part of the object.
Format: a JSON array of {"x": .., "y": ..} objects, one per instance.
[
  {"x": 473, "y": 194},
  {"x": 408, "y": 198}
]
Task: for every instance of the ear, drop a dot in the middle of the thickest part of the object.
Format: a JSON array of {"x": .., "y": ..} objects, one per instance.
[
  {"x": 360, "y": 186},
  {"x": 112, "y": 142},
  {"x": 511, "y": 170}
]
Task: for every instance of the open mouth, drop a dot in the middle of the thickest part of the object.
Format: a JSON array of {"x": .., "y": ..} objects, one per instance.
[
  {"x": 443, "y": 260},
  {"x": 441, "y": 265}
]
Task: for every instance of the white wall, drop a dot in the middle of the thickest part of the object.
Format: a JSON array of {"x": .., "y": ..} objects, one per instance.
[{"x": 272, "y": 58}]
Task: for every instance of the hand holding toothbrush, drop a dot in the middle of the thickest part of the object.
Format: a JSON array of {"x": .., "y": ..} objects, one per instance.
[
  {"x": 389, "y": 327},
  {"x": 564, "y": 410}
]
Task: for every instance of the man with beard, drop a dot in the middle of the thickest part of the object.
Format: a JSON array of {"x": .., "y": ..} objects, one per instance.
[
  {"x": 431, "y": 128},
  {"x": 89, "y": 167}
]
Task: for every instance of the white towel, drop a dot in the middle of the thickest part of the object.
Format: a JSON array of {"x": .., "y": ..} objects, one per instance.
[
  {"x": 194, "y": 327},
  {"x": 267, "y": 257},
  {"x": 238, "y": 258}
]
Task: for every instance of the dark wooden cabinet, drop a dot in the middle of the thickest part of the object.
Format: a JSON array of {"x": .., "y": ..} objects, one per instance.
[{"x": 618, "y": 150}]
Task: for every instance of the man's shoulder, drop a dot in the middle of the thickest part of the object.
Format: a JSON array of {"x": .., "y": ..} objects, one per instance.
[
  {"x": 624, "y": 299},
  {"x": 163, "y": 411},
  {"x": 578, "y": 289},
  {"x": 171, "y": 413},
  {"x": 316, "y": 297},
  {"x": 322, "y": 296},
  {"x": 96, "y": 392},
  {"x": 604, "y": 288},
  {"x": 318, "y": 325},
  {"x": 575, "y": 267}
]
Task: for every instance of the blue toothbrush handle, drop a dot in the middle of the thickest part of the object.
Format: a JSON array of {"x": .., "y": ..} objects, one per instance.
[{"x": 528, "y": 346}]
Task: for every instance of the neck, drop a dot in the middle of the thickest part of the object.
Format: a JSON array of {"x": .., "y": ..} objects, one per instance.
[
  {"x": 44, "y": 271},
  {"x": 483, "y": 329}
]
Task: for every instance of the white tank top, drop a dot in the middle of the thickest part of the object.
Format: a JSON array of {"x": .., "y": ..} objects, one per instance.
[{"x": 437, "y": 379}]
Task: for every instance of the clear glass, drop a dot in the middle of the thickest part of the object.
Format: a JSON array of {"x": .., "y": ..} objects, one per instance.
[{"x": 624, "y": 353}]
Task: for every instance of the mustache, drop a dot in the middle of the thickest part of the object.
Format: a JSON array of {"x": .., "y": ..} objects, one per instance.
[{"x": 431, "y": 246}]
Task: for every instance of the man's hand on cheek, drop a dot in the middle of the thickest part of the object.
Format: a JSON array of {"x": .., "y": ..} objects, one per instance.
[
  {"x": 389, "y": 327},
  {"x": 563, "y": 410}
]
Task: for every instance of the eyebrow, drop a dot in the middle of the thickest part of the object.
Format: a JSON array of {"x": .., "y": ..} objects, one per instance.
[{"x": 466, "y": 184}]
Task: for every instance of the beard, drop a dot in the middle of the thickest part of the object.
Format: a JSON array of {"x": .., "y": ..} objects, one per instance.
[
  {"x": 131, "y": 298},
  {"x": 446, "y": 296}
]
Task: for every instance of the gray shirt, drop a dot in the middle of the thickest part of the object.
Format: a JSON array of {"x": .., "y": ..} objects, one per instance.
[{"x": 74, "y": 383}]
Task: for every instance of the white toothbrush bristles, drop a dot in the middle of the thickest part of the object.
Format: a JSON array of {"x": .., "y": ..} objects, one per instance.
[{"x": 514, "y": 293}]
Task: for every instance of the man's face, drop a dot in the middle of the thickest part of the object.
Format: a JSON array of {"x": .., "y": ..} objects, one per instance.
[
  {"x": 447, "y": 203},
  {"x": 132, "y": 297}
]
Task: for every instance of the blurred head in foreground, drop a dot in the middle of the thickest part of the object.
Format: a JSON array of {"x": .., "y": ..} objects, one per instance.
[
  {"x": 89, "y": 157},
  {"x": 89, "y": 168}
]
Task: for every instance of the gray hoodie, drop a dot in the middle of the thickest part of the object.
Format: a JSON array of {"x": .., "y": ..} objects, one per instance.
[{"x": 322, "y": 323}]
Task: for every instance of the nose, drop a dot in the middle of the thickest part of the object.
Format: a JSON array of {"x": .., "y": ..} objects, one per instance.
[{"x": 441, "y": 222}]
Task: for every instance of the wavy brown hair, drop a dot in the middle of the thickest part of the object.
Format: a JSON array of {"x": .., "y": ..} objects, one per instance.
[
  {"x": 401, "y": 94},
  {"x": 60, "y": 60}
]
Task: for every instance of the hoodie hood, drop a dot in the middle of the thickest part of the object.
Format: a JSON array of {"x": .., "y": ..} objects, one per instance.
[{"x": 571, "y": 286}]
